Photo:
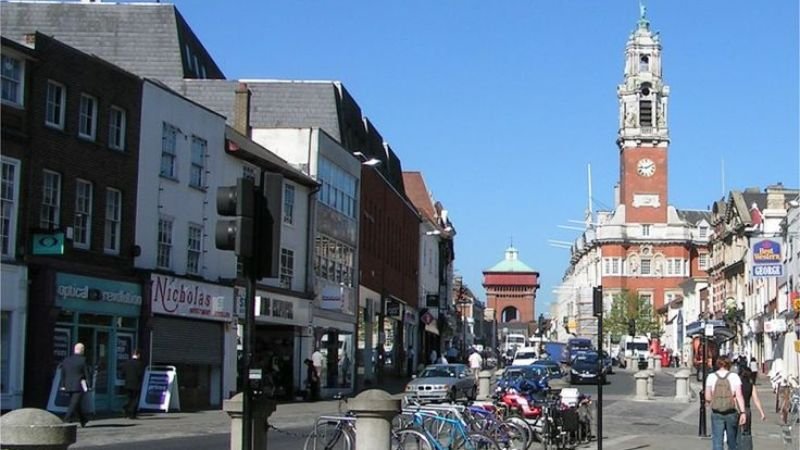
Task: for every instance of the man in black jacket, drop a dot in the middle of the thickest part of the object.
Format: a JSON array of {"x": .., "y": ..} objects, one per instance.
[
  {"x": 132, "y": 371},
  {"x": 75, "y": 381}
]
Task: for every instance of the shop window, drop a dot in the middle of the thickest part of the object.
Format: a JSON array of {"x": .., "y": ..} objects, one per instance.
[{"x": 5, "y": 350}]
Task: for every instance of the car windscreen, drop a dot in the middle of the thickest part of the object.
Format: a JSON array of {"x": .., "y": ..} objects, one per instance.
[
  {"x": 641, "y": 346},
  {"x": 525, "y": 355},
  {"x": 587, "y": 358},
  {"x": 435, "y": 372}
]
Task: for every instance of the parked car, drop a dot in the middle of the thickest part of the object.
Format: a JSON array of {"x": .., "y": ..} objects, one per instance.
[
  {"x": 608, "y": 363},
  {"x": 585, "y": 368},
  {"x": 442, "y": 382}
]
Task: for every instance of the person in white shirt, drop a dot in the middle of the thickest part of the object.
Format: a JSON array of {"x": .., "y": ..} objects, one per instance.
[
  {"x": 316, "y": 360},
  {"x": 729, "y": 420},
  {"x": 475, "y": 362}
]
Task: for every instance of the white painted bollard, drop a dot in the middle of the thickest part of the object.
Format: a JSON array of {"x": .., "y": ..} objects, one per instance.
[
  {"x": 30, "y": 428},
  {"x": 262, "y": 409},
  {"x": 484, "y": 384},
  {"x": 682, "y": 385},
  {"x": 657, "y": 364},
  {"x": 651, "y": 392},
  {"x": 631, "y": 363},
  {"x": 641, "y": 385},
  {"x": 374, "y": 410}
]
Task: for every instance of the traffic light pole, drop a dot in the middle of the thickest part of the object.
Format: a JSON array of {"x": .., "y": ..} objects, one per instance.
[
  {"x": 702, "y": 425},
  {"x": 247, "y": 349},
  {"x": 600, "y": 381}
]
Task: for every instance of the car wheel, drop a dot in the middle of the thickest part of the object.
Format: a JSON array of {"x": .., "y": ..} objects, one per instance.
[
  {"x": 453, "y": 395},
  {"x": 572, "y": 380}
]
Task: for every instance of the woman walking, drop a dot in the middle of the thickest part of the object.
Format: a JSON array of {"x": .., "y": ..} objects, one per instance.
[{"x": 750, "y": 394}]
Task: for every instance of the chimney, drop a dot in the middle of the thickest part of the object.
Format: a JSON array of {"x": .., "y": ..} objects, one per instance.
[{"x": 241, "y": 110}]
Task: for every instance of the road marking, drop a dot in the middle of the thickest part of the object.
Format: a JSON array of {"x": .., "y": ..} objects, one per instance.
[{"x": 681, "y": 417}]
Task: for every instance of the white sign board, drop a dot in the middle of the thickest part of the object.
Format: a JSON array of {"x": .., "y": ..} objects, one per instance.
[
  {"x": 59, "y": 400},
  {"x": 709, "y": 330},
  {"x": 160, "y": 389},
  {"x": 187, "y": 298}
]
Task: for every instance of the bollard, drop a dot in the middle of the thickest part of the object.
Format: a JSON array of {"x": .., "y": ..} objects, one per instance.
[
  {"x": 484, "y": 384},
  {"x": 657, "y": 364},
  {"x": 499, "y": 373},
  {"x": 374, "y": 410},
  {"x": 31, "y": 428},
  {"x": 631, "y": 364},
  {"x": 641, "y": 385},
  {"x": 262, "y": 409},
  {"x": 650, "y": 379},
  {"x": 682, "y": 385}
]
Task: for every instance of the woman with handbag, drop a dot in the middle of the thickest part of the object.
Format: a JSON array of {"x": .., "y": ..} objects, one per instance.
[{"x": 749, "y": 393}]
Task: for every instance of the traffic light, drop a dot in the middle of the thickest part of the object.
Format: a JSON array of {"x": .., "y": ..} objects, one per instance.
[
  {"x": 597, "y": 301},
  {"x": 268, "y": 224},
  {"x": 632, "y": 327},
  {"x": 236, "y": 233},
  {"x": 540, "y": 325}
]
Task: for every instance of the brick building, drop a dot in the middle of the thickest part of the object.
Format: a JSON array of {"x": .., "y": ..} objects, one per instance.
[{"x": 511, "y": 287}]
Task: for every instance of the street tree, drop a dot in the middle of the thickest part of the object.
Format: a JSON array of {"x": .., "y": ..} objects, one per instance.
[{"x": 627, "y": 306}]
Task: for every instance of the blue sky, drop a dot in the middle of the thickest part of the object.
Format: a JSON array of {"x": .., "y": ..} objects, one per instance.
[{"x": 503, "y": 104}]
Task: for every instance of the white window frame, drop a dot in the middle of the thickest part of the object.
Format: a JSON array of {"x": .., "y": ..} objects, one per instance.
[
  {"x": 7, "y": 80},
  {"x": 113, "y": 222},
  {"x": 702, "y": 261},
  {"x": 169, "y": 151},
  {"x": 87, "y": 117},
  {"x": 50, "y": 213},
  {"x": 82, "y": 228},
  {"x": 334, "y": 260},
  {"x": 287, "y": 268},
  {"x": 649, "y": 263},
  {"x": 55, "y": 117},
  {"x": 117, "y": 123},
  {"x": 194, "y": 249},
  {"x": 646, "y": 228},
  {"x": 288, "y": 203},
  {"x": 9, "y": 206},
  {"x": 164, "y": 242},
  {"x": 198, "y": 166},
  {"x": 702, "y": 232}
]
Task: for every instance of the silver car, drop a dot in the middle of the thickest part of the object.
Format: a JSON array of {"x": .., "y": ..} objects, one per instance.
[{"x": 442, "y": 382}]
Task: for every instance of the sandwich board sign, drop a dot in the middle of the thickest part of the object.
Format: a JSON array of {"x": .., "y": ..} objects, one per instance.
[
  {"x": 58, "y": 402},
  {"x": 160, "y": 389}
]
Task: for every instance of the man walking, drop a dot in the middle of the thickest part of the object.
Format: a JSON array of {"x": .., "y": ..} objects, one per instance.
[
  {"x": 75, "y": 381},
  {"x": 724, "y": 396},
  {"x": 132, "y": 372},
  {"x": 475, "y": 362}
]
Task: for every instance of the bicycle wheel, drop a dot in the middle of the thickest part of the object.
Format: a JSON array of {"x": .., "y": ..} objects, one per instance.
[
  {"x": 480, "y": 441},
  {"x": 330, "y": 436},
  {"x": 410, "y": 439},
  {"x": 525, "y": 426},
  {"x": 510, "y": 436}
]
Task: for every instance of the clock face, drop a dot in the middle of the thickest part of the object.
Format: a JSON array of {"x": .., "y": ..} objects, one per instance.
[{"x": 646, "y": 167}]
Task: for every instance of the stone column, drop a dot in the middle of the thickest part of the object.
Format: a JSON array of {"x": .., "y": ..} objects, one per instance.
[
  {"x": 682, "y": 385},
  {"x": 650, "y": 379},
  {"x": 262, "y": 409},
  {"x": 641, "y": 385},
  {"x": 374, "y": 410},
  {"x": 484, "y": 385},
  {"x": 30, "y": 428}
]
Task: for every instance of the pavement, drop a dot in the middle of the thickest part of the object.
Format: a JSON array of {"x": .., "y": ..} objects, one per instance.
[{"x": 661, "y": 423}]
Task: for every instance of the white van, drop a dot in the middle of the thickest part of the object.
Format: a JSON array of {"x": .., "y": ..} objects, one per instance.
[
  {"x": 634, "y": 346},
  {"x": 525, "y": 356}
]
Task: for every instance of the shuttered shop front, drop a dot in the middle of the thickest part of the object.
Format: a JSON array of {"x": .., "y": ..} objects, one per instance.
[{"x": 184, "y": 341}]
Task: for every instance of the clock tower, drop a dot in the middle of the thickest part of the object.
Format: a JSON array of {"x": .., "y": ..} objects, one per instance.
[{"x": 643, "y": 133}]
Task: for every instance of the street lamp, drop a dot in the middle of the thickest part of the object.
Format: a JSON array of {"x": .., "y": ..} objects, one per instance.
[{"x": 462, "y": 302}]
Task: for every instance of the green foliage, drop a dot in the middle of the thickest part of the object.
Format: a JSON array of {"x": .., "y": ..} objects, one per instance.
[{"x": 625, "y": 306}]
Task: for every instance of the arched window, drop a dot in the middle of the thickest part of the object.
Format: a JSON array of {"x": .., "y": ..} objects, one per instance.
[
  {"x": 509, "y": 314},
  {"x": 644, "y": 63}
]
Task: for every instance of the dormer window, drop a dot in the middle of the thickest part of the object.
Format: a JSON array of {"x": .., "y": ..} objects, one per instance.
[
  {"x": 702, "y": 232},
  {"x": 644, "y": 63}
]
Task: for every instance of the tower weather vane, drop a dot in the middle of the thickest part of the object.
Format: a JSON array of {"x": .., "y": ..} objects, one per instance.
[{"x": 642, "y": 11}]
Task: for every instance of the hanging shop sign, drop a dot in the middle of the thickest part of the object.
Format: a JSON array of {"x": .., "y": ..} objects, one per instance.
[
  {"x": 767, "y": 259},
  {"x": 394, "y": 309},
  {"x": 181, "y": 297},
  {"x": 48, "y": 244}
]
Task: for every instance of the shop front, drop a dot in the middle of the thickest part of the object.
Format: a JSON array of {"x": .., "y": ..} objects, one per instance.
[
  {"x": 192, "y": 329},
  {"x": 333, "y": 327},
  {"x": 367, "y": 336},
  {"x": 12, "y": 334},
  {"x": 281, "y": 339},
  {"x": 104, "y": 316}
]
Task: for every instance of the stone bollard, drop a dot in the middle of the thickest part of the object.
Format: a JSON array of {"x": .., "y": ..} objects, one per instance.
[
  {"x": 374, "y": 410},
  {"x": 31, "y": 428},
  {"x": 641, "y": 385},
  {"x": 499, "y": 373},
  {"x": 657, "y": 364},
  {"x": 484, "y": 384},
  {"x": 650, "y": 379},
  {"x": 682, "y": 385},
  {"x": 262, "y": 409},
  {"x": 631, "y": 363}
]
